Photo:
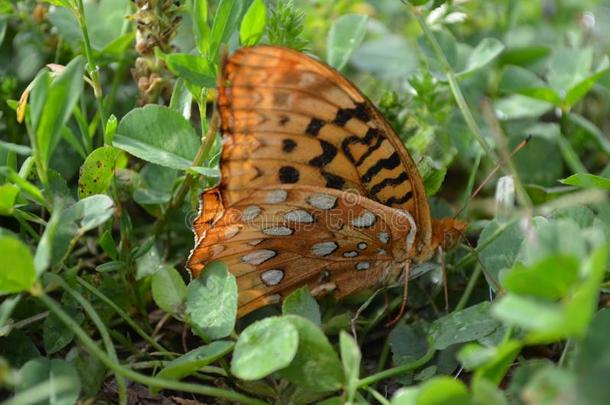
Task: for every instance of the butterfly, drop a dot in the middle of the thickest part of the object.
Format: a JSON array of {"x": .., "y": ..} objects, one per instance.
[{"x": 317, "y": 189}]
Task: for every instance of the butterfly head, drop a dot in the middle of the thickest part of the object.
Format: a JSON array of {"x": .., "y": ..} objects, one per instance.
[{"x": 447, "y": 232}]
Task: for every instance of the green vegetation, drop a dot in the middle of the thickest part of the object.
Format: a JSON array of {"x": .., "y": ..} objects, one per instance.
[{"x": 108, "y": 135}]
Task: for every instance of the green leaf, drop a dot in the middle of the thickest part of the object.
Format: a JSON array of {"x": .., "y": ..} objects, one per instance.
[
  {"x": 253, "y": 24},
  {"x": 463, "y": 326},
  {"x": 346, "y": 34},
  {"x": 148, "y": 259},
  {"x": 182, "y": 99},
  {"x": 28, "y": 188},
  {"x": 502, "y": 243},
  {"x": 550, "y": 278},
  {"x": 582, "y": 305},
  {"x": 443, "y": 390},
  {"x": 13, "y": 147},
  {"x": 193, "y": 69},
  {"x": 531, "y": 314},
  {"x": 540, "y": 162},
  {"x": 110, "y": 130},
  {"x": 518, "y": 80},
  {"x": 97, "y": 172},
  {"x": 226, "y": 20},
  {"x": 74, "y": 221},
  {"x": 200, "y": 26},
  {"x": 61, "y": 98},
  {"x": 168, "y": 290},
  {"x": 580, "y": 89},
  {"x": 191, "y": 362},
  {"x": 8, "y": 195},
  {"x": 17, "y": 348},
  {"x": 6, "y": 309},
  {"x": 484, "y": 392},
  {"x": 212, "y": 302},
  {"x": 159, "y": 135},
  {"x": 316, "y": 366},
  {"x": 498, "y": 364},
  {"x": 156, "y": 185},
  {"x": 351, "y": 358},
  {"x": 551, "y": 385},
  {"x": 407, "y": 344},
  {"x": 55, "y": 335},
  {"x": 89, "y": 213},
  {"x": 264, "y": 347},
  {"x": 559, "y": 237},
  {"x": 586, "y": 180},
  {"x": 213, "y": 172},
  {"x": 592, "y": 361},
  {"x": 486, "y": 51},
  {"x": 405, "y": 396},
  {"x": 49, "y": 239},
  {"x": 567, "y": 67},
  {"x": 399, "y": 58},
  {"x": 62, "y": 382},
  {"x": 301, "y": 302},
  {"x": 17, "y": 266},
  {"x": 517, "y": 106}
]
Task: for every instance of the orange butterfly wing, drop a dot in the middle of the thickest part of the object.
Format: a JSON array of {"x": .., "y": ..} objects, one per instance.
[
  {"x": 292, "y": 119},
  {"x": 295, "y": 129},
  {"x": 282, "y": 237}
]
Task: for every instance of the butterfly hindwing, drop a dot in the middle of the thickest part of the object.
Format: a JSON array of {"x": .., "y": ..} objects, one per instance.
[{"x": 282, "y": 237}]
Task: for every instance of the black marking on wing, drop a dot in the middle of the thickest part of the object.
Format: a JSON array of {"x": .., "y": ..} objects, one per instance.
[
  {"x": 402, "y": 177},
  {"x": 371, "y": 134},
  {"x": 401, "y": 200},
  {"x": 288, "y": 145},
  {"x": 387, "y": 163},
  {"x": 314, "y": 127},
  {"x": 288, "y": 174},
  {"x": 329, "y": 151},
  {"x": 345, "y": 114},
  {"x": 333, "y": 181}
]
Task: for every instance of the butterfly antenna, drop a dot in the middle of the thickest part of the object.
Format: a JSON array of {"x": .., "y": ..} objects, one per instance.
[
  {"x": 475, "y": 253},
  {"x": 405, "y": 295},
  {"x": 517, "y": 148}
]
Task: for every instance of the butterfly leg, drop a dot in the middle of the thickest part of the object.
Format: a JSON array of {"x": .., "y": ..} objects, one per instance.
[{"x": 405, "y": 295}]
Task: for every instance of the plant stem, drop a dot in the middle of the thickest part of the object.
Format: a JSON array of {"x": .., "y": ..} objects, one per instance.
[
  {"x": 396, "y": 371},
  {"x": 569, "y": 154},
  {"x": 454, "y": 85},
  {"x": 202, "y": 154},
  {"x": 469, "y": 288},
  {"x": 135, "y": 376},
  {"x": 122, "y": 314},
  {"x": 92, "y": 66},
  {"x": 99, "y": 324}
]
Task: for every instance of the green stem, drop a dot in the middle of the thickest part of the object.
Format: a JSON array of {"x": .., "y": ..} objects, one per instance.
[
  {"x": 396, "y": 371},
  {"x": 99, "y": 324},
  {"x": 122, "y": 314},
  {"x": 454, "y": 85},
  {"x": 569, "y": 154},
  {"x": 93, "y": 70},
  {"x": 380, "y": 398},
  {"x": 469, "y": 288},
  {"x": 135, "y": 376},
  {"x": 202, "y": 154}
]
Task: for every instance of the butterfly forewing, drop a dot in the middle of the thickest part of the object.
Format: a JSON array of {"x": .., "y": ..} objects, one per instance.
[{"x": 291, "y": 119}]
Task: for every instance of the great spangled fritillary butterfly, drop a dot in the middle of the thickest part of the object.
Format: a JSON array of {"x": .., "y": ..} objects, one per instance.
[{"x": 317, "y": 189}]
